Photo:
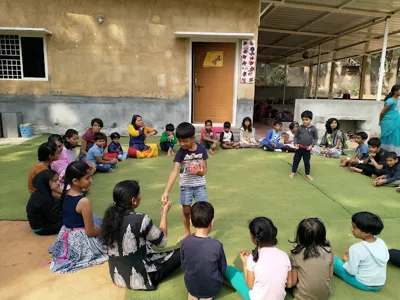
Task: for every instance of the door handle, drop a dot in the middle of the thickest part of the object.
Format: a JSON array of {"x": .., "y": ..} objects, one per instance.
[{"x": 198, "y": 87}]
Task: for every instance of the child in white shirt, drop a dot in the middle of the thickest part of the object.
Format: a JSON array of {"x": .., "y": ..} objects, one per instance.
[{"x": 364, "y": 265}]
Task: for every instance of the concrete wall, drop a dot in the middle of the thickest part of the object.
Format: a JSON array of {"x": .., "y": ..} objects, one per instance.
[
  {"x": 355, "y": 115},
  {"x": 132, "y": 57},
  {"x": 56, "y": 114}
]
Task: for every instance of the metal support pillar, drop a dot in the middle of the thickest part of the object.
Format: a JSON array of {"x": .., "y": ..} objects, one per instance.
[{"x": 383, "y": 57}]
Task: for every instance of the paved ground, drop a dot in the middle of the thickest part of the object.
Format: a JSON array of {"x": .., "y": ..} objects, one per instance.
[{"x": 24, "y": 274}]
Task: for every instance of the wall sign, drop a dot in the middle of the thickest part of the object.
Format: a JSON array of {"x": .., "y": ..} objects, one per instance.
[{"x": 249, "y": 55}]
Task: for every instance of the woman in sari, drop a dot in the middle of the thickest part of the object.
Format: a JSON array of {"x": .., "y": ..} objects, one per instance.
[
  {"x": 390, "y": 121},
  {"x": 137, "y": 139},
  {"x": 333, "y": 142}
]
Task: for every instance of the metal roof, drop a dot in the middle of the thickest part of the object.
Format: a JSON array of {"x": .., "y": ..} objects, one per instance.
[{"x": 343, "y": 28}]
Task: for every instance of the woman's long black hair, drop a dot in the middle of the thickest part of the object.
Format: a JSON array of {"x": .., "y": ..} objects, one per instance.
[
  {"x": 264, "y": 233},
  {"x": 69, "y": 134},
  {"x": 311, "y": 234},
  {"x": 244, "y": 126},
  {"x": 134, "y": 121},
  {"x": 123, "y": 193},
  {"x": 328, "y": 125},
  {"x": 394, "y": 89}
]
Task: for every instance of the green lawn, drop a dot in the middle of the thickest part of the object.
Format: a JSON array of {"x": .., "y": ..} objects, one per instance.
[{"x": 241, "y": 185}]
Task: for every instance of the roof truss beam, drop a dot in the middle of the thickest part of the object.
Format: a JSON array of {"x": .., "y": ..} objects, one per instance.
[
  {"x": 330, "y": 9},
  {"x": 314, "y": 49},
  {"x": 307, "y": 33}
]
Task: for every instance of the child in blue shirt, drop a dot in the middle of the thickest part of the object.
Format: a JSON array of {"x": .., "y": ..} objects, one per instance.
[
  {"x": 96, "y": 155},
  {"x": 271, "y": 141},
  {"x": 115, "y": 146},
  {"x": 364, "y": 265},
  {"x": 361, "y": 153}
]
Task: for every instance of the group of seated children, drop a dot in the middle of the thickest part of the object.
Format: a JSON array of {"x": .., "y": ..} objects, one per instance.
[
  {"x": 268, "y": 272},
  {"x": 373, "y": 161},
  {"x": 124, "y": 235},
  {"x": 247, "y": 138}
]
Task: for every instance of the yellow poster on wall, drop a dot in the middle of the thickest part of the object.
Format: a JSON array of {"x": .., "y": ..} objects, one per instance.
[{"x": 214, "y": 59}]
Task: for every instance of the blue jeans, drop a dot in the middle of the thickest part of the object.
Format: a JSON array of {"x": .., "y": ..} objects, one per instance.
[
  {"x": 122, "y": 156},
  {"x": 270, "y": 148},
  {"x": 105, "y": 167},
  {"x": 198, "y": 193},
  {"x": 165, "y": 146},
  {"x": 236, "y": 279},
  {"x": 340, "y": 272}
]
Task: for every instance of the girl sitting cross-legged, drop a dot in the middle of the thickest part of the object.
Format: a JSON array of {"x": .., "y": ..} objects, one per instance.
[
  {"x": 333, "y": 142},
  {"x": 77, "y": 245},
  {"x": 312, "y": 261},
  {"x": 266, "y": 271}
]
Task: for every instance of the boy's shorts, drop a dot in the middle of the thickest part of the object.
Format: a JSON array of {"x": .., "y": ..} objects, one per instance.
[{"x": 198, "y": 193}]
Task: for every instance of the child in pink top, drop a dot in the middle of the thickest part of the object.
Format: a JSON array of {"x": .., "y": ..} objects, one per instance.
[
  {"x": 209, "y": 137},
  {"x": 266, "y": 271},
  {"x": 67, "y": 155}
]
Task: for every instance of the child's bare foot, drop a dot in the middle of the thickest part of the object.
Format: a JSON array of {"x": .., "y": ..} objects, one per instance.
[
  {"x": 169, "y": 153},
  {"x": 352, "y": 169},
  {"x": 398, "y": 189},
  {"x": 212, "y": 152},
  {"x": 186, "y": 234},
  {"x": 309, "y": 177},
  {"x": 110, "y": 170},
  {"x": 291, "y": 176}
]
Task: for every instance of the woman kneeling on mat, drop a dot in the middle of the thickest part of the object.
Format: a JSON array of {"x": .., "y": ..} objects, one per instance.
[
  {"x": 137, "y": 143},
  {"x": 129, "y": 237}
]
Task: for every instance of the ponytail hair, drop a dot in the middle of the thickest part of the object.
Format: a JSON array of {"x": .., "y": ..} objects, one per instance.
[
  {"x": 264, "y": 233},
  {"x": 75, "y": 170},
  {"x": 394, "y": 89},
  {"x": 123, "y": 194},
  {"x": 69, "y": 134}
]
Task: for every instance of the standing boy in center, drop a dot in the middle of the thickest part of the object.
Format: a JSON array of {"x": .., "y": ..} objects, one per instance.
[
  {"x": 305, "y": 138},
  {"x": 191, "y": 163}
]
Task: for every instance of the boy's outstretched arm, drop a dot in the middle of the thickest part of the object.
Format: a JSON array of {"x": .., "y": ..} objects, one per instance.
[{"x": 171, "y": 181}]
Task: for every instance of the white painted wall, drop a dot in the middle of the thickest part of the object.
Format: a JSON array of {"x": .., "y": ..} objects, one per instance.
[{"x": 365, "y": 112}]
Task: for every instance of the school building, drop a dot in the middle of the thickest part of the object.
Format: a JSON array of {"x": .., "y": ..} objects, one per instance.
[{"x": 63, "y": 63}]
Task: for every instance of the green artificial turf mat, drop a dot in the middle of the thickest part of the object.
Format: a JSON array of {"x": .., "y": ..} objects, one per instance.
[{"x": 241, "y": 184}]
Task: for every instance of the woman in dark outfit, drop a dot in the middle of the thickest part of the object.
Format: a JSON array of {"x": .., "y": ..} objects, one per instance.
[
  {"x": 43, "y": 211},
  {"x": 129, "y": 237}
]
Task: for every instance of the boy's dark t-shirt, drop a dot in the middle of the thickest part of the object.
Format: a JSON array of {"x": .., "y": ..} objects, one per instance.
[
  {"x": 380, "y": 157},
  {"x": 204, "y": 262},
  {"x": 188, "y": 159}
]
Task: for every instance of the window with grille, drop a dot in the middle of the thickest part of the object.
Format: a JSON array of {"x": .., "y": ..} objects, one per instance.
[{"x": 21, "y": 57}]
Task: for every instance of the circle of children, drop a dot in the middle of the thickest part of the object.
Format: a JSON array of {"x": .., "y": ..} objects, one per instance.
[{"x": 59, "y": 182}]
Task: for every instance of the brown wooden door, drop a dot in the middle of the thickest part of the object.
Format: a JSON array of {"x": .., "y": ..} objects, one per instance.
[{"x": 213, "y": 86}]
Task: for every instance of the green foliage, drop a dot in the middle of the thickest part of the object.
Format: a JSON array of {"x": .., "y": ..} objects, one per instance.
[{"x": 277, "y": 77}]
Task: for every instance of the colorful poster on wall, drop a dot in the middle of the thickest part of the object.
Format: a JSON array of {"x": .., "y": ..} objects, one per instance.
[
  {"x": 214, "y": 59},
  {"x": 249, "y": 55}
]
